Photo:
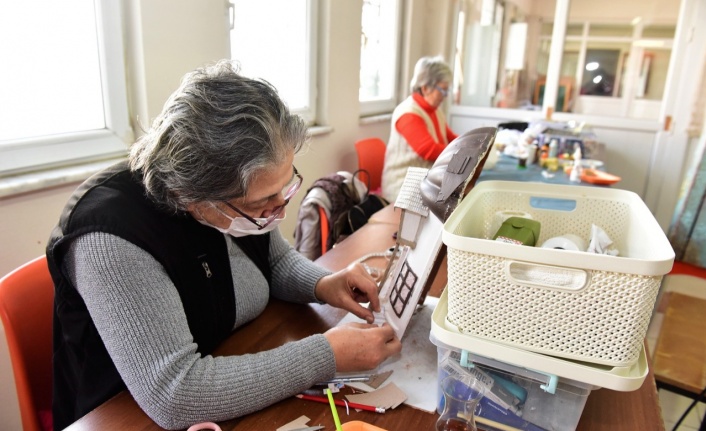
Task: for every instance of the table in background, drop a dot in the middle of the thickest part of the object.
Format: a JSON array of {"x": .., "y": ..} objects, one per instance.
[
  {"x": 506, "y": 169},
  {"x": 284, "y": 322}
]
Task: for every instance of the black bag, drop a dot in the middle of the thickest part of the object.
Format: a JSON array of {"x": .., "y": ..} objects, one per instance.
[{"x": 358, "y": 215}]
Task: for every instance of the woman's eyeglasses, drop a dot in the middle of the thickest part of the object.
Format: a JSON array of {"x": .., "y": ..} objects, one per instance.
[
  {"x": 444, "y": 91},
  {"x": 288, "y": 193}
]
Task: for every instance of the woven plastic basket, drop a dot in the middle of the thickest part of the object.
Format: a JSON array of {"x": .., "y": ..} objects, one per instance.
[{"x": 571, "y": 304}]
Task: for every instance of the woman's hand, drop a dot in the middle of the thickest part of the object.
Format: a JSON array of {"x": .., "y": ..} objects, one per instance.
[
  {"x": 349, "y": 287},
  {"x": 362, "y": 346}
]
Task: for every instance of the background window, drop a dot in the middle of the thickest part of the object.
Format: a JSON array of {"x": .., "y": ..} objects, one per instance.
[
  {"x": 379, "y": 57},
  {"x": 62, "y": 84},
  {"x": 275, "y": 40}
]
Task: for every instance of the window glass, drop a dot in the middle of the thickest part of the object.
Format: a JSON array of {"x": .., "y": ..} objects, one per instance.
[
  {"x": 378, "y": 55},
  {"x": 258, "y": 44},
  {"x": 50, "y": 82},
  {"x": 63, "y": 97},
  {"x": 653, "y": 74},
  {"x": 601, "y": 71}
]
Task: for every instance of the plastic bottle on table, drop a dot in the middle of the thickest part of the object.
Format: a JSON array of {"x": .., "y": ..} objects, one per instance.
[{"x": 553, "y": 148}]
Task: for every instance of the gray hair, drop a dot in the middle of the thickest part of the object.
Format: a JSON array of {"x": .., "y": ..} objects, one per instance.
[
  {"x": 215, "y": 133},
  {"x": 430, "y": 71}
]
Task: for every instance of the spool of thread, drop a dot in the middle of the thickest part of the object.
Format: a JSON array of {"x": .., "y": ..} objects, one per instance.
[{"x": 566, "y": 242}]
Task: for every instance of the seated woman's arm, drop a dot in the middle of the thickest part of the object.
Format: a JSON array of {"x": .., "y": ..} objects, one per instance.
[
  {"x": 139, "y": 316},
  {"x": 450, "y": 135},
  {"x": 294, "y": 277},
  {"x": 297, "y": 279},
  {"x": 413, "y": 128}
]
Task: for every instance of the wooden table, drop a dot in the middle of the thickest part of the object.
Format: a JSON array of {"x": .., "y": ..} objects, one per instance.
[
  {"x": 389, "y": 214},
  {"x": 680, "y": 353},
  {"x": 283, "y": 322}
]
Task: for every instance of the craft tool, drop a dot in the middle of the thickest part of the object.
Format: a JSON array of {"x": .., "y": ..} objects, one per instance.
[{"x": 333, "y": 410}]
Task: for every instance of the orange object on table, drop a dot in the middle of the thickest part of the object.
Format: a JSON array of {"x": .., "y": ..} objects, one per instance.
[
  {"x": 360, "y": 426},
  {"x": 594, "y": 176}
]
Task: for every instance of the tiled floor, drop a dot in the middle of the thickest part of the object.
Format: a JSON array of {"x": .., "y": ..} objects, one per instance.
[{"x": 673, "y": 405}]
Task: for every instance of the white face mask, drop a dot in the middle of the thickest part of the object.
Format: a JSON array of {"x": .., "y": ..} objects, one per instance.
[{"x": 240, "y": 226}]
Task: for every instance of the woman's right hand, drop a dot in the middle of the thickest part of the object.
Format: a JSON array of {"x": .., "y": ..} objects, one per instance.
[{"x": 362, "y": 346}]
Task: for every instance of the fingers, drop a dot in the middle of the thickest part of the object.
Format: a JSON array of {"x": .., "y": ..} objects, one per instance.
[
  {"x": 360, "y": 325},
  {"x": 363, "y": 286},
  {"x": 360, "y": 346},
  {"x": 363, "y": 313}
]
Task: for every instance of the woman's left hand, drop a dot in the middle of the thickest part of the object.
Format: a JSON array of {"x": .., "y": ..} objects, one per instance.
[{"x": 348, "y": 288}]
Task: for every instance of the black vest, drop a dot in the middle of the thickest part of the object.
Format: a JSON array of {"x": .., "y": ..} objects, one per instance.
[{"x": 194, "y": 256}]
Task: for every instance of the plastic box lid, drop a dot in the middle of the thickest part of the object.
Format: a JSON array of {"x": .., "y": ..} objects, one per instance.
[{"x": 623, "y": 379}]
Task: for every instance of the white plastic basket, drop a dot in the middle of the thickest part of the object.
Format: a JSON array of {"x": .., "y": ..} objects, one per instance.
[{"x": 571, "y": 304}]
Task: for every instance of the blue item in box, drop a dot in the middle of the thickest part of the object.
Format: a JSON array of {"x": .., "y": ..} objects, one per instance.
[
  {"x": 497, "y": 407},
  {"x": 516, "y": 398}
]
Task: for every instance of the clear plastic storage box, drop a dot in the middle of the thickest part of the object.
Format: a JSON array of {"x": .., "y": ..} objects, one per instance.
[
  {"x": 532, "y": 391},
  {"x": 516, "y": 398},
  {"x": 570, "y": 304}
]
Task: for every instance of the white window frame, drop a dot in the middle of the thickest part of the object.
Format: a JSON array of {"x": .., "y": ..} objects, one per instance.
[
  {"x": 32, "y": 154},
  {"x": 380, "y": 106},
  {"x": 309, "y": 112}
]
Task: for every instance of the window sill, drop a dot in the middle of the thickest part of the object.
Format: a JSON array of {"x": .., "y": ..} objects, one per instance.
[
  {"x": 34, "y": 181},
  {"x": 320, "y": 130},
  {"x": 382, "y": 118},
  {"x": 26, "y": 183}
]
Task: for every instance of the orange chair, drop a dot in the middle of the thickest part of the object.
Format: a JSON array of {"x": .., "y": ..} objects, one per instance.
[
  {"x": 371, "y": 157},
  {"x": 26, "y": 311}
]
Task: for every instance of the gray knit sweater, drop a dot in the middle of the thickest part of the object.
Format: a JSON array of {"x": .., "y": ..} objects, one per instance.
[{"x": 139, "y": 315}]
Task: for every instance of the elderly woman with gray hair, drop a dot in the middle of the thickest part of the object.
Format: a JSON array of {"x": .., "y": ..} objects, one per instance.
[
  {"x": 156, "y": 260},
  {"x": 419, "y": 132}
]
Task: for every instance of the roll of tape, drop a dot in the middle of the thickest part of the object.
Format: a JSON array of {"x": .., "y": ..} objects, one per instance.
[{"x": 566, "y": 242}]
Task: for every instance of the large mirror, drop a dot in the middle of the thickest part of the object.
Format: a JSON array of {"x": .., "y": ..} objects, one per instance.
[{"x": 614, "y": 60}]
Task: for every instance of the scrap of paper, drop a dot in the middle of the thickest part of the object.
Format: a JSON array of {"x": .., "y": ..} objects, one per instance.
[
  {"x": 300, "y": 422},
  {"x": 415, "y": 368},
  {"x": 378, "y": 379},
  {"x": 387, "y": 397}
]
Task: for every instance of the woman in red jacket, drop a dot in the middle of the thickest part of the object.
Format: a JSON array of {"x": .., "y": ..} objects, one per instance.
[{"x": 419, "y": 131}]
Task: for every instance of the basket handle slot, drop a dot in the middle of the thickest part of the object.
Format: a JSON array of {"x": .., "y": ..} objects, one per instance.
[
  {"x": 555, "y": 204},
  {"x": 555, "y": 277}
]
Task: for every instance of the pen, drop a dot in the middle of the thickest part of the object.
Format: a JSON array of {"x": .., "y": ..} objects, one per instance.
[
  {"x": 346, "y": 380},
  {"x": 342, "y": 403}
]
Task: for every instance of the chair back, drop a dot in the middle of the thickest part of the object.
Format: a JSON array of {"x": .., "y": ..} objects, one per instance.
[
  {"x": 26, "y": 311},
  {"x": 371, "y": 158}
]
